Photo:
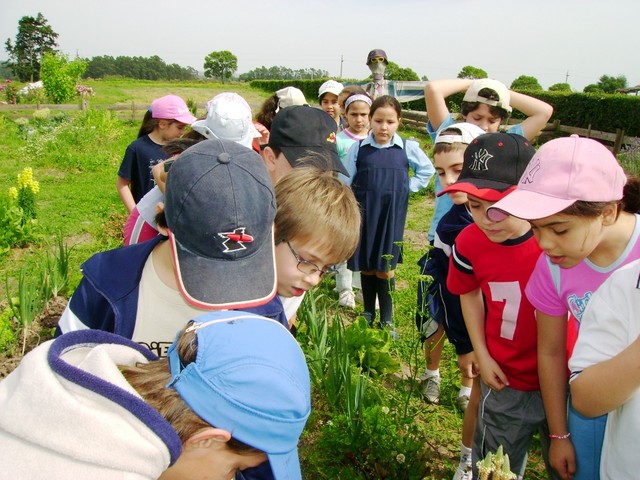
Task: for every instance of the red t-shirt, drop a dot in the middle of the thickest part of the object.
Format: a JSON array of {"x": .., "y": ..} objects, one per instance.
[{"x": 501, "y": 271}]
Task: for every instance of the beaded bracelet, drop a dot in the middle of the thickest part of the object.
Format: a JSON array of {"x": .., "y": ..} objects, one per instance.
[{"x": 560, "y": 437}]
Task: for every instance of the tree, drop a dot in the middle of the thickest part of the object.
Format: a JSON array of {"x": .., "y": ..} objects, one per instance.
[
  {"x": 60, "y": 76},
  {"x": 610, "y": 84},
  {"x": 525, "y": 82},
  {"x": 592, "y": 88},
  {"x": 220, "y": 64},
  {"x": 472, "y": 73},
  {"x": 35, "y": 38},
  {"x": 560, "y": 87},
  {"x": 395, "y": 72}
]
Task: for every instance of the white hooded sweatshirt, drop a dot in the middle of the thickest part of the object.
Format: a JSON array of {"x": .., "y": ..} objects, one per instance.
[{"x": 67, "y": 412}]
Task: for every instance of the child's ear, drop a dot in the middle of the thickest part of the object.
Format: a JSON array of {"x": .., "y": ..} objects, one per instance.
[
  {"x": 206, "y": 437},
  {"x": 269, "y": 157},
  {"x": 610, "y": 214}
]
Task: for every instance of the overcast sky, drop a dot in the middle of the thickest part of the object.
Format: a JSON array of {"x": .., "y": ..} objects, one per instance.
[{"x": 547, "y": 39}]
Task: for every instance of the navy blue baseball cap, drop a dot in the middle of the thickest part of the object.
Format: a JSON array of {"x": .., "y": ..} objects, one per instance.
[
  {"x": 301, "y": 131},
  {"x": 220, "y": 207}
]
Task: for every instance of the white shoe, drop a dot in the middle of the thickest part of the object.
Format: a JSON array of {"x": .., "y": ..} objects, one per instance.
[
  {"x": 463, "y": 401},
  {"x": 430, "y": 388},
  {"x": 347, "y": 299},
  {"x": 463, "y": 472}
]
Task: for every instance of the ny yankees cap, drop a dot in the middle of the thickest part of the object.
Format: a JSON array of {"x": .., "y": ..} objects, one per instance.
[
  {"x": 220, "y": 207},
  {"x": 300, "y": 130},
  {"x": 493, "y": 164},
  {"x": 250, "y": 378},
  {"x": 562, "y": 172}
]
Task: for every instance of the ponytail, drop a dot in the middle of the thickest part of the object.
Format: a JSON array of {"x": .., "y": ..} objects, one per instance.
[{"x": 631, "y": 195}]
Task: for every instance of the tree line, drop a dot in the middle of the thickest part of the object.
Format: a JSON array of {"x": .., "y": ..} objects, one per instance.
[{"x": 36, "y": 38}]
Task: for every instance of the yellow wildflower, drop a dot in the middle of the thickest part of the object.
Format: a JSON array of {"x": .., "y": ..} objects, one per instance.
[{"x": 13, "y": 193}]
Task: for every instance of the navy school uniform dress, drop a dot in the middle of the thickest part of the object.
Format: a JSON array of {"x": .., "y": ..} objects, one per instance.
[{"x": 381, "y": 186}]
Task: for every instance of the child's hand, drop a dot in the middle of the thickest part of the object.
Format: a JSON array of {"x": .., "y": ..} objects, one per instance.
[
  {"x": 468, "y": 365},
  {"x": 492, "y": 374},
  {"x": 562, "y": 457},
  {"x": 159, "y": 175},
  {"x": 262, "y": 130}
]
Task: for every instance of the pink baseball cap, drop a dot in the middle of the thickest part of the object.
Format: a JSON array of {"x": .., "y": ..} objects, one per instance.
[
  {"x": 171, "y": 107},
  {"x": 562, "y": 172}
]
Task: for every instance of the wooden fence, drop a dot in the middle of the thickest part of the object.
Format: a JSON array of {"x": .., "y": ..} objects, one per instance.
[
  {"x": 414, "y": 119},
  {"x": 418, "y": 120}
]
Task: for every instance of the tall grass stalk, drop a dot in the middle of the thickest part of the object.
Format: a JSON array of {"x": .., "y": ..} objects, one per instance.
[{"x": 28, "y": 304}]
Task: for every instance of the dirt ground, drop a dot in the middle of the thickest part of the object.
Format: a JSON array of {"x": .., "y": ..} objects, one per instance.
[{"x": 41, "y": 331}]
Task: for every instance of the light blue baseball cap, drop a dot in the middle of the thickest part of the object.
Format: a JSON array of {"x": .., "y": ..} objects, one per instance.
[{"x": 250, "y": 378}]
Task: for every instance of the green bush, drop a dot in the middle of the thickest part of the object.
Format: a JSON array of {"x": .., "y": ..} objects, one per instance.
[{"x": 59, "y": 76}]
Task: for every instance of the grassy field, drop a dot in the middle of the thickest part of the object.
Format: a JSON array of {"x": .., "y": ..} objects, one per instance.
[{"x": 75, "y": 158}]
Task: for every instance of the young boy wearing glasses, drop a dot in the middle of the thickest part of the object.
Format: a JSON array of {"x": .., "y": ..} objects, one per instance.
[{"x": 317, "y": 226}]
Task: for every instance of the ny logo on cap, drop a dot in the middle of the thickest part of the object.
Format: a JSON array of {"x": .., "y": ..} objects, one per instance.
[
  {"x": 234, "y": 241},
  {"x": 481, "y": 160},
  {"x": 535, "y": 168}
]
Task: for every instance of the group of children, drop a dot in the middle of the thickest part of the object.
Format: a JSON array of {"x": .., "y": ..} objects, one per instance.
[
  {"x": 241, "y": 218},
  {"x": 515, "y": 262}
]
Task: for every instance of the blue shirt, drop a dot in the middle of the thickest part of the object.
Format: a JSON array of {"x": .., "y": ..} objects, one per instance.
[{"x": 422, "y": 167}]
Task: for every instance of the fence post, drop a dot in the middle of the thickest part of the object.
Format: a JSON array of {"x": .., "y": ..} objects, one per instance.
[
  {"x": 617, "y": 144},
  {"x": 589, "y": 131}
]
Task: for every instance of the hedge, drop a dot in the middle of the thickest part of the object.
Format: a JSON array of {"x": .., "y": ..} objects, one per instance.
[{"x": 601, "y": 111}]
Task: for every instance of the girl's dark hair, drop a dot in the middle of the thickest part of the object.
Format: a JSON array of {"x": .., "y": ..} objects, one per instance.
[
  {"x": 179, "y": 145},
  {"x": 386, "y": 101},
  {"x": 467, "y": 107},
  {"x": 630, "y": 202},
  {"x": 268, "y": 111},
  {"x": 149, "y": 124}
]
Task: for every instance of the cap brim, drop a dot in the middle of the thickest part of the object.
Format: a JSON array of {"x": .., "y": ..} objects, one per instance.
[
  {"x": 530, "y": 205},
  {"x": 486, "y": 190},
  {"x": 209, "y": 283},
  {"x": 186, "y": 118},
  {"x": 285, "y": 466},
  {"x": 295, "y": 154}
]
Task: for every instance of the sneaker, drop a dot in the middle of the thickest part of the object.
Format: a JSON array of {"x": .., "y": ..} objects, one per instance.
[
  {"x": 463, "y": 472},
  {"x": 463, "y": 401},
  {"x": 347, "y": 299},
  {"x": 430, "y": 388}
]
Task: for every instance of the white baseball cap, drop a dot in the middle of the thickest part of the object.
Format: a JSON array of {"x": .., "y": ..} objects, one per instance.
[
  {"x": 228, "y": 118},
  {"x": 330, "y": 86}
]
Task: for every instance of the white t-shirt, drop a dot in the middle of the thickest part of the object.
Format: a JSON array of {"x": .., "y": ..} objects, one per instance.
[
  {"x": 162, "y": 311},
  {"x": 610, "y": 323}
]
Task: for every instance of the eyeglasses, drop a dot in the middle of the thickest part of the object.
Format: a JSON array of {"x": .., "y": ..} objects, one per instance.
[
  {"x": 377, "y": 59},
  {"x": 306, "y": 266}
]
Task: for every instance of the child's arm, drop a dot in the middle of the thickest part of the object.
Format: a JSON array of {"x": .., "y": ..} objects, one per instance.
[
  {"x": 125, "y": 193},
  {"x": 436, "y": 93},
  {"x": 422, "y": 167},
  {"x": 607, "y": 385},
  {"x": 474, "y": 317},
  {"x": 537, "y": 112},
  {"x": 350, "y": 162},
  {"x": 552, "y": 371}
]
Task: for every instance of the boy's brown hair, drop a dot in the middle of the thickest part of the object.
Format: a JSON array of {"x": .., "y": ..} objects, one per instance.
[
  {"x": 315, "y": 207},
  {"x": 150, "y": 380}
]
